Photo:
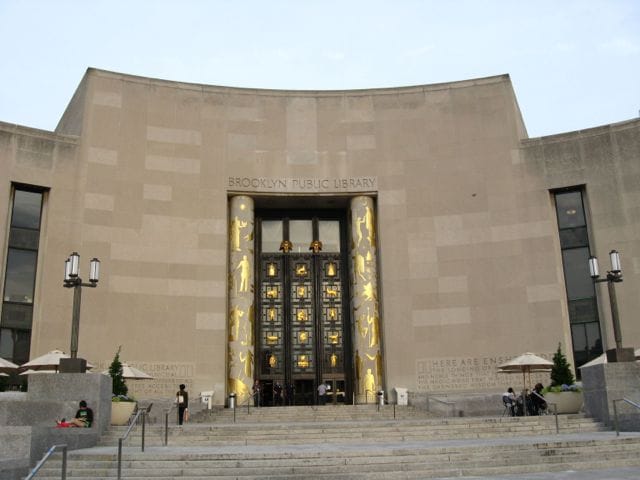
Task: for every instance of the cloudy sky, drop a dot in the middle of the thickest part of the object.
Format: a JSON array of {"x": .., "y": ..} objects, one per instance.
[{"x": 574, "y": 64}]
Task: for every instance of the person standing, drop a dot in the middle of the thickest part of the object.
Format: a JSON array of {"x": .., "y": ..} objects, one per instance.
[
  {"x": 322, "y": 394},
  {"x": 182, "y": 400},
  {"x": 256, "y": 393}
]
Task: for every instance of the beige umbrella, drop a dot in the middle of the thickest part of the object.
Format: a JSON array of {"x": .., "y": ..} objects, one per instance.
[
  {"x": 132, "y": 373},
  {"x": 7, "y": 367},
  {"x": 49, "y": 361},
  {"x": 526, "y": 363},
  {"x": 38, "y": 372},
  {"x": 603, "y": 359}
]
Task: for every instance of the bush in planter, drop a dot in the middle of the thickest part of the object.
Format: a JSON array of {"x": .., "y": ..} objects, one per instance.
[
  {"x": 119, "y": 387},
  {"x": 562, "y": 379}
]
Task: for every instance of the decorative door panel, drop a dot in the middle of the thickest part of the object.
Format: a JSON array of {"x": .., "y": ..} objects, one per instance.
[
  {"x": 272, "y": 330},
  {"x": 302, "y": 314}
]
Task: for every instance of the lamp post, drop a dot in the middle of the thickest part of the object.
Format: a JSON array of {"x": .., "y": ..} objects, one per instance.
[
  {"x": 619, "y": 354},
  {"x": 72, "y": 280}
]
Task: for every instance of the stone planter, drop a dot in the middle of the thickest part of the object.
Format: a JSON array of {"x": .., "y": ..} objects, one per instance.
[
  {"x": 121, "y": 412},
  {"x": 567, "y": 402}
]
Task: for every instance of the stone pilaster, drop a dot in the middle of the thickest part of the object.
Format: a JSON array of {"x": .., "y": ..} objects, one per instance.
[
  {"x": 364, "y": 300},
  {"x": 241, "y": 298}
]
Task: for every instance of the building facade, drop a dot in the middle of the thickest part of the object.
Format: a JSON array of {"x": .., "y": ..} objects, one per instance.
[{"x": 370, "y": 239}]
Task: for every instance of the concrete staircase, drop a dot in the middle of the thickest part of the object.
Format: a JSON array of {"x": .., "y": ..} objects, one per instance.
[{"x": 353, "y": 442}]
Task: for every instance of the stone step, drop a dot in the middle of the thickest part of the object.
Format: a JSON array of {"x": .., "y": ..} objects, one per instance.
[
  {"x": 428, "y": 460},
  {"x": 343, "y": 432}
]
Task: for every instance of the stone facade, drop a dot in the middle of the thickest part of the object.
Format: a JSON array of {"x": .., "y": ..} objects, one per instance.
[{"x": 139, "y": 173}]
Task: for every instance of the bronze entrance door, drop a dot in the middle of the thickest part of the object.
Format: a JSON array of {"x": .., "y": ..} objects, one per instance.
[{"x": 301, "y": 316}]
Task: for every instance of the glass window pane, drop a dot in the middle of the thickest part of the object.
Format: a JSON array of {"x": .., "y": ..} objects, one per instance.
[
  {"x": 16, "y": 315},
  {"x": 594, "y": 339},
  {"x": 26, "y": 209},
  {"x": 329, "y": 232},
  {"x": 570, "y": 211},
  {"x": 576, "y": 273},
  {"x": 6, "y": 344},
  {"x": 24, "y": 238},
  {"x": 301, "y": 235},
  {"x": 574, "y": 237},
  {"x": 271, "y": 235},
  {"x": 579, "y": 337},
  {"x": 22, "y": 343},
  {"x": 21, "y": 274}
]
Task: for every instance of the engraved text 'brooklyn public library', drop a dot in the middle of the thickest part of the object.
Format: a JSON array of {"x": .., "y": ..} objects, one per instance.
[{"x": 349, "y": 184}]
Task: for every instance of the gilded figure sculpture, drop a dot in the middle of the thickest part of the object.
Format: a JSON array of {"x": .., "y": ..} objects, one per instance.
[
  {"x": 369, "y": 382},
  {"x": 333, "y": 360},
  {"x": 245, "y": 270},
  {"x": 303, "y": 361},
  {"x": 271, "y": 270},
  {"x": 235, "y": 314},
  {"x": 303, "y": 336},
  {"x": 272, "y": 314},
  {"x": 301, "y": 315},
  {"x": 235, "y": 233},
  {"x": 301, "y": 270},
  {"x": 273, "y": 361},
  {"x": 248, "y": 363}
]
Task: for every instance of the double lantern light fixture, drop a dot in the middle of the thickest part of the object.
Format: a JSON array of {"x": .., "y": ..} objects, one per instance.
[
  {"x": 72, "y": 280},
  {"x": 619, "y": 354}
]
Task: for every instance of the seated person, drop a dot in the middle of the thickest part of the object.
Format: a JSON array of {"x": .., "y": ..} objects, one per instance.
[
  {"x": 84, "y": 416},
  {"x": 538, "y": 404},
  {"x": 509, "y": 400}
]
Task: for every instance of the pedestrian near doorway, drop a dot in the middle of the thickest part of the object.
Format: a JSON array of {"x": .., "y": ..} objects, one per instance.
[
  {"x": 322, "y": 394},
  {"x": 182, "y": 400}
]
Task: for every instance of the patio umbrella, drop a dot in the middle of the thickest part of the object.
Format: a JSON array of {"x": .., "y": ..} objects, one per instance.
[
  {"x": 49, "y": 361},
  {"x": 526, "y": 363},
  {"x": 38, "y": 372},
  {"x": 7, "y": 367},
  {"x": 132, "y": 373}
]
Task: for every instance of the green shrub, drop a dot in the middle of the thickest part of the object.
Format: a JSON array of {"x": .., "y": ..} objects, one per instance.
[
  {"x": 561, "y": 373},
  {"x": 119, "y": 385}
]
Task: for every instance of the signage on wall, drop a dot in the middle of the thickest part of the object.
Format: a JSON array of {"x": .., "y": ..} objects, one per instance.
[{"x": 298, "y": 185}]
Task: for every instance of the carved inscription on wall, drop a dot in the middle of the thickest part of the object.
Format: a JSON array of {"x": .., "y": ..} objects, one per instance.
[
  {"x": 448, "y": 374},
  {"x": 268, "y": 184},
  {"x": 166, "y": 378}
]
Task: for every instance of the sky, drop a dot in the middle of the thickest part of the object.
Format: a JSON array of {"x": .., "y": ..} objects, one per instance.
[{"x": 574, "y": 64}]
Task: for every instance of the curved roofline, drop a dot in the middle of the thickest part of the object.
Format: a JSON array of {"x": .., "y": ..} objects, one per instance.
[{"x": 266, "y": 91}]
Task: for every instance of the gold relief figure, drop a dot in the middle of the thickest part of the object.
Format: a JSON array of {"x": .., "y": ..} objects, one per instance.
[
  {"x": 235, "y": 232},
  {"x": 333, "y": 314},
  {"x": 377, "y": 361},
  {"x": 245, "y": 267},
  {"x": 316, "y": 246},
  {"x": 368, "y": 216},
  {"x": 301, "y": 270},
  {"x": 286, "y": 246},
  {"x": 333, "y": 360},
  {"x": 303, "y": 336},
  {"x": 248, "y": 363},
  {"x": 368, "y": 292},
  {"x": 359, "y": 267},
  {"x": 374, "y": 325},
  {"x": 272, "y": 292},
  {"x": 248, "y": 328},
  {"x": 272, "y": 314},
  {"x": 362, "y": 329},
  {"x": 331, "y": 269},
  {"x": 272, "y": 339},
  {"x": 271, "y": 270},
  {"x": 301, "y": 291},
  {"x": 301, "y": 315},
  {"x": 235, "y": 314},
  {"x": 333, "y": 338},
  {"x": 331, "y": 292},
  {"x": 303, "y": 361},
  {"x": 359, "y": 222},
  {"x": 369, "y": 382},
  {"x": 273, "y": 361},
  {"x": 238, "y": 386}
]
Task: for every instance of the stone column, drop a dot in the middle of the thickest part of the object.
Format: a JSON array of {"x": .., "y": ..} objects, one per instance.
[
  {"x": 364, "y": 300},
  {"x": 241, "y": 298}
]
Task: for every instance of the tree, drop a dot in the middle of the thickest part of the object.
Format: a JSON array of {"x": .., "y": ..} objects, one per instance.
[
  {"x": 115, "y": 371},
  {"x": 561, "y": 373}
]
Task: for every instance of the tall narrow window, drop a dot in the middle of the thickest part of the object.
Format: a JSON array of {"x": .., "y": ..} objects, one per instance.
[
  {"x": 581, "y": 295},
  {"x": 20, "y": 275}
]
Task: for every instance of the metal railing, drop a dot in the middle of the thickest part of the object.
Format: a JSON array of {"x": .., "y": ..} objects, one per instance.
[
  {"x": 141, "y": 412},
  {"x": 166, "y": 424},
  {"x": 555, "y": 408},
  {"x": 63, "y": 476},
  {"x": 615, "y": 411}
]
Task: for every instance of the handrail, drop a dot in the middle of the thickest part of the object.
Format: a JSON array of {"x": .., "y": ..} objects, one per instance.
[
  {"x": 615, "y": 411},
  {"x": 143, "y": 412},
  {"x": 46, "y": 457},
  {"x": 167, "y": 411},
  {"x": 555, "y": 408}
]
